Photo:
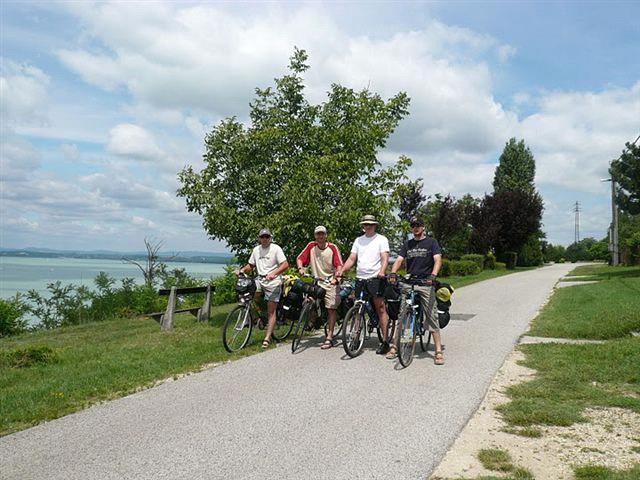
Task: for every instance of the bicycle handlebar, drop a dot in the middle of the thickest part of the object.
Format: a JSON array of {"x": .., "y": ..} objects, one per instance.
[{"x": 415, "y": 281}]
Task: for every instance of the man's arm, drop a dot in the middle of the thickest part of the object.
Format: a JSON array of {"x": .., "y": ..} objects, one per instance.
[
  {"x": 246, "y": 269},
  {"x": 281, "y": 268},
  {"x": 384, "y": 261},
  {"x": 437, "y": 264},
  {"x": 305, "y": 257},
  {"x": 348, "y": 264},
  {"x": 397, "y": 264}
]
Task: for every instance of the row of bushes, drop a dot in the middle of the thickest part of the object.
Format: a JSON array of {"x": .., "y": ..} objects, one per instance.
[
  {"x": 70, "y": 304},
  {"x": 471, "y": 264}
]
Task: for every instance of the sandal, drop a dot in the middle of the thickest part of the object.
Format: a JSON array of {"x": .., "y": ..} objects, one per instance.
[
  {"x": 438, "y": 359},
  {"x": 393, "y": 353},
  {"x": 328, "y": 343},
  {"x": 265, "y": 343}
]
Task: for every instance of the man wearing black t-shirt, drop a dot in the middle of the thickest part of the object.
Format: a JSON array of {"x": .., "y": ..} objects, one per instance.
[{"x": 424, "y": 260}]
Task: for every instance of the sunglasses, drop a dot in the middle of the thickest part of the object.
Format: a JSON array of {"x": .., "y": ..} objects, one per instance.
[
  {"x": 416, "y": 225},
  {"x": 265, "y": 236}
]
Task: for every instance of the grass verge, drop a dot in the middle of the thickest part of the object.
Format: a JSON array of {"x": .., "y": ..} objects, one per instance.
[
  {"x": 571, "y": 378},
  {"x": 604, "y": 310},
  {"x": 596, "y": 472},
  {"x": 100, "y": 361},
  {"x": 603, "y": 271}
]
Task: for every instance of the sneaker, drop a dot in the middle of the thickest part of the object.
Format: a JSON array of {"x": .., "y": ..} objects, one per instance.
[{"x": 383, "y": 348}]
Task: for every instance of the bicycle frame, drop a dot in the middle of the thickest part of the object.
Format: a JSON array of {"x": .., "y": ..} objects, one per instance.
[
  {"x": 416, "y": 310},
  {"x": 314, "y": 305}
]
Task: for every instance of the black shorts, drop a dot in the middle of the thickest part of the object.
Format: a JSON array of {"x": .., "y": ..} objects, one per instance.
[{"x": 373, "y": 287}]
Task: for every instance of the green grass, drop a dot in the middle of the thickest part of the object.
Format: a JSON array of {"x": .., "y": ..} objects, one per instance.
[
  {"x": 528, "y": 431},
  {"x": 495, "y": 459},
  {"x": 596, "y": 472},
  {"x": 604, "y": 271},
  {"x": 101, "y": 361},
  {"x": 499, "y": 460},
  {"x": 605, "y": 310},
  {"x": 571, "y": 378}
]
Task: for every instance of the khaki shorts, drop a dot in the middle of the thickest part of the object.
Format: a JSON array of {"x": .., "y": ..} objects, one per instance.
[
  {"x": 272, "y": 290},
  {"x": 332, "y": 297},
  {"x": 428, "y": 303}
]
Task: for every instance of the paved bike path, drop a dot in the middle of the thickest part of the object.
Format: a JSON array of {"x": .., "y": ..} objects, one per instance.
[{"x": 276, "y": 415}]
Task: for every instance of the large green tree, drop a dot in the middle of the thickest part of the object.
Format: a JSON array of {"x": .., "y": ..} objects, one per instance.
[
  {"x": 514, "y": 181},
  {"x": 506, "y": 221},
  {"x": 626, "y": 172},
  {"x": 298, "y": 165},
  {"x": 629, "y": 237},
  {"x": 516, "y": 168},
  {"x": 449, "y": 220}
]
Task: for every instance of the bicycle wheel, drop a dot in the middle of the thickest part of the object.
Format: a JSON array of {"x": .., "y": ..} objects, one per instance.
[
  {"x": 407, "y": 340},
  {"x": 301, "y": 326},
  {"x": 391, "y": 330},
  {"x": 284, "y": 325},
  {"x": 353, "y": 331},
  {"x": 237, "y": 328},
  {"x": 425, "y": 346}
]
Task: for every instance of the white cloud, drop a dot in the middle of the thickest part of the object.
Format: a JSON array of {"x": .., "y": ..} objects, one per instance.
[
  {"x": 171, "y": 59},
  {"x": 98, "y": 70},
  {"x": 23, "y": 94},
  {"x": 574, "y": 135},
  {"x": 18, "y": 158},
  {"x": 196, "y": 127},
  {"x": 143, "y": 222},
  {"x": 133, "y": 141},
  {"x": 117, "y": 185}
]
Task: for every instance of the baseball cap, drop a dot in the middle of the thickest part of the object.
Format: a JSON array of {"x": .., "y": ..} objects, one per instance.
[
  {"x": 320, "y": 229},
  {"x": 417, "y": 221},
  {"x": 265, "y": 231}
]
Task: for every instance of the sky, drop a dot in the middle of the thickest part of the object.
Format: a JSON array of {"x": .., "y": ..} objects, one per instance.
[{"x": 104, "y": 102}]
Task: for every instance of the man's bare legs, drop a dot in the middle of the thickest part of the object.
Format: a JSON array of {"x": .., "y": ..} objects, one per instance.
[
  {"x": 332, "y": 317},
  {"x": 381, "y": 310},
  {"x": 271, "y": 311},
  {"x": 438, "y": 355}
]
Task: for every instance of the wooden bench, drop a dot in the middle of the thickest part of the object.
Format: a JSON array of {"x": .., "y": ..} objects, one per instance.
[{"x": 165, "y": 319}]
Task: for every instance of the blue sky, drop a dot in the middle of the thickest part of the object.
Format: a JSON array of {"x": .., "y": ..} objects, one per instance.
[{"x": 102, "y": 103}]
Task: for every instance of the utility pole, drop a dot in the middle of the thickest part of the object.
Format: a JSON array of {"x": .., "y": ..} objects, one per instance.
[
  {"x": 576, "y": 209},
  {"x": 615, "y": 248}
]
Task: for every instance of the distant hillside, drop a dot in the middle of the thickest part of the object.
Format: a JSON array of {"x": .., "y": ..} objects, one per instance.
[{"x": 188, "y": 256}]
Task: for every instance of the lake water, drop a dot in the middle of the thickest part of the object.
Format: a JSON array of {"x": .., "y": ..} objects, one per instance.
[{"x": 20, "y": 274}]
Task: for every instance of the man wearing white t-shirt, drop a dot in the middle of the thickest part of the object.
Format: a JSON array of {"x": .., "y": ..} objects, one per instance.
[
  {"x": 269, "y": 260},
  {"x": 371, "y": 251}
]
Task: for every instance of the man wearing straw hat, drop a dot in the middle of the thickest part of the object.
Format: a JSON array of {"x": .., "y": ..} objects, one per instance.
[{"x": 371, "y": 251}]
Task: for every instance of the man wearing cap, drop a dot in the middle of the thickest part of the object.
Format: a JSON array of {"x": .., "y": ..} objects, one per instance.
[
  {"x": 268, "y": 258},
  {"x": 424, "y": 260},
  {"x": 325, "y": 261},
  {"x": 371, "y": 251}
]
